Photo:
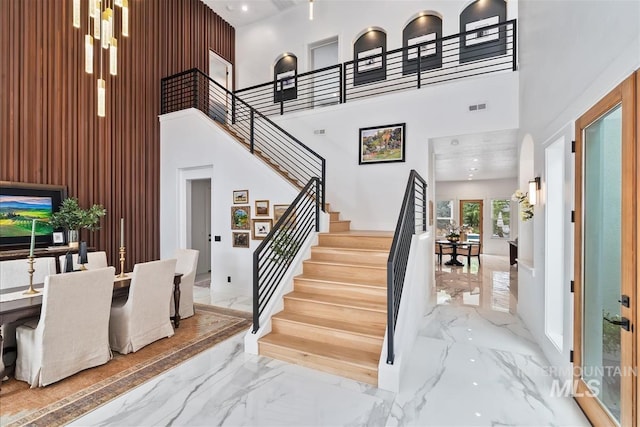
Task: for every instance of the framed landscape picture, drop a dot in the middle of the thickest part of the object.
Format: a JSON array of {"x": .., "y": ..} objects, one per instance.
[
  {"x": 261, "y": 227},
  {"x": 240, "y": 197},
  {"x": 240, "y": 217},
  {"x": 382, "y": 144},
  {"x": 240, "y": 240},
  {"x": 262, "y": 207},
  {"x": 278, "y": 211}
]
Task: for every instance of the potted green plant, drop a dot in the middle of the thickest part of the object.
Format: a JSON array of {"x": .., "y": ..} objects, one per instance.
[{"x": 72, "y": 218}]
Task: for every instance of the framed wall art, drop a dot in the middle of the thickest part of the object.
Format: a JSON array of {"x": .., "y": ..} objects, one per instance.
[
  {"x": 240, "y": 197},
  {"x": 278, "y": 211},
  {"x": 240, "y": 217},
  {"x": 382, "y": 144},
  {"x": 240, "y": 240},
  {"x": 261, "y": 227},
  {"x": 262, "y": 207}
]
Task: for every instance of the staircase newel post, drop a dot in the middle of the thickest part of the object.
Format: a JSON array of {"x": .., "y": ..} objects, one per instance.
[
  {"x": 424, "y": 207},
  {"x": 256, "y": 296},
  {"x": 281, "y": 98},
  {"x": 390, "y": 315},
  {"x": 514, "y": 47},
  {"x": 341, "y": 78},
  {"x": 324, "y": 186},
  {"x": 317, "y": 205},
  {"x": 251, "y": 112},
  {"x": 344, "y": 83},
  {"x": 419, "y": 71},
  {"x": 195, "y": 89},
  {"x": 233, "y": 109}
]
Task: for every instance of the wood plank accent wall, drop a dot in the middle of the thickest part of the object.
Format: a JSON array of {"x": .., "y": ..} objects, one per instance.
[{"x": 50, "y": 132}]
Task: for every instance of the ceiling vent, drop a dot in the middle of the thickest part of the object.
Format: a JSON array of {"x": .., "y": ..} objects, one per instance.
[
  {"x": 283, "y": 4},
  {"x": 477, "y": 107}
]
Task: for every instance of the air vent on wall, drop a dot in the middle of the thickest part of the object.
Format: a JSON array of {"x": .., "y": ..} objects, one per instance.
[
  {"x": 318, "y": 132},
  {"x": 283, "y": 4},
  {"x": 477, "y": 107}
]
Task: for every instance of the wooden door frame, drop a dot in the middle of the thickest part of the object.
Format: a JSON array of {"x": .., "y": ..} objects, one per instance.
[
  {"x": 481, "y": 201},
  {"x": 624, "y": 94}
]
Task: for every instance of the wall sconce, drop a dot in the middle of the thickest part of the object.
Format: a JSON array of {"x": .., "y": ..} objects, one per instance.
[{"x": 534, "y": 186}]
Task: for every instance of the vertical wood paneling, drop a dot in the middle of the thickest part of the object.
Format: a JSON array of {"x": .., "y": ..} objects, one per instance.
[{"x": 49, "y": 130}]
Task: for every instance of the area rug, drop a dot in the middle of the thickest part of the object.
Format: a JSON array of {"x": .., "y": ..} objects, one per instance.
[{"x": 68, "y": 399}]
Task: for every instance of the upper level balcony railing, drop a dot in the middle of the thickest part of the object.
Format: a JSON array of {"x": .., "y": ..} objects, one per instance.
[{"x": 490, "y": 49}]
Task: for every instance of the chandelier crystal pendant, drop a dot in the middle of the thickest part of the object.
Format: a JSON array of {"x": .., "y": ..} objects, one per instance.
[{"x": 101, "y": 30}]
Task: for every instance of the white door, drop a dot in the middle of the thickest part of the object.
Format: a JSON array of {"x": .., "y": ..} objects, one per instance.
[
  {"x": 221, "y": 72},
  {"x": 201, "y": 222},
  {"x": 326, "y": 85}
]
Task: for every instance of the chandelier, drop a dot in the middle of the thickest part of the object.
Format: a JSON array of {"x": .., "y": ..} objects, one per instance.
[{"x": 101, "y": 38}]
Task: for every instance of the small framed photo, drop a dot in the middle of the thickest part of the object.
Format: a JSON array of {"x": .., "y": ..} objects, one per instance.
[
  {"x": 58, "y": 237},
  {"x": 240, "y": 197},
  {"x": 261, "y": 227},
  {"x": 240, "y": 240},
  {"x": 240, "y": 217},
  {"x": 278, "y": 211},
  {"x": 262, "y": 207},
  {"x": 382, "y": 144}
]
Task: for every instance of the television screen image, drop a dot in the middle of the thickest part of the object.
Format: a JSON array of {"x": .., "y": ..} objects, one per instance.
[{"x": 18, "y": 212}]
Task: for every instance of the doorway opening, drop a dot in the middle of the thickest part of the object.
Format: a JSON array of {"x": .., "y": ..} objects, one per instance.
[
  {"x": 221, "y": 72},
  {"x": 326, "y": 86},
  {"x": 201, "y": 223},
  {"x": 471, "y": 219}
]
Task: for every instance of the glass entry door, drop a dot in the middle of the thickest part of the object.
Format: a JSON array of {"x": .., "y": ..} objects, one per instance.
[{"x": 605, "y": 273}]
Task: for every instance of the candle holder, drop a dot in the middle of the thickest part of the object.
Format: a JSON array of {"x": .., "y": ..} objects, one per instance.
[
  {"x": 122, "y": 252},
  {"x": 31, "y": 291}
]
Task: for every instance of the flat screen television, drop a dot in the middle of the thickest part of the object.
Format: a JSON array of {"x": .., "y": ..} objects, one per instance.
[{"x": 20, "y": 204}]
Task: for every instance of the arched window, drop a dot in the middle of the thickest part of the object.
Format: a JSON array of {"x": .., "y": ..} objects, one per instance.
[
  {"x": 483, "y": 44},
  {"x": 424, "y": 28},
  {"x": 285, "y": 78},
  {"x": 369, "y": 56}
]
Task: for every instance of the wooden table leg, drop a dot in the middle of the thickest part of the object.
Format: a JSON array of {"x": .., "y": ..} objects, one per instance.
[{"x": 176, "y": 300}]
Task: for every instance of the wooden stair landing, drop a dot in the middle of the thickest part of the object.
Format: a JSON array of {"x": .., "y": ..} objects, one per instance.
[{"x": 336, "y": 316}]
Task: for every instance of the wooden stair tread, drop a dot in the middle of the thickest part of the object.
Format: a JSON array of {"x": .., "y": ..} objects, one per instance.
[
  {"x": 339, "y": 249},
  {"x": 361, "y": 233},
  {"x": 369, "y": 330},
  {"x": 360, "y": 304},
  {"x": 346, "y": 355},
  {"x": 344, "y": 282},
  {"x": 346, "y": 264}
]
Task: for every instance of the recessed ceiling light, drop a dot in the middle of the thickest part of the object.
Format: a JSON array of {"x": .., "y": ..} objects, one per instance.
[
  {"x": 455, "y": 142},
  {"x": 473, "y": 169},
  {"x": 245, "y": 7},
  {"x": 470, "y": 174},
  {"x": 469, "y": 179},
  {"x": 475, "y": 160}
]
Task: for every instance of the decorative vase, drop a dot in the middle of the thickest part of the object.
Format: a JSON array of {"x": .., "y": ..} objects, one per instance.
[{"x": 72, "y": 238}]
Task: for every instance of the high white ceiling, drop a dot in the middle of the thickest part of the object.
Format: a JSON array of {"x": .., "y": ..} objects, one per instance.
[
  {"x": 493, "y": 155},
  {"x": 231, "y": 10}
]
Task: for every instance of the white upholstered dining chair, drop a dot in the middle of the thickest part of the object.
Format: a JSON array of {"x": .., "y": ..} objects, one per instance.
[
  {"x": 15, "y": 273},
  {"x": 143, "y": 317},
  {"x": 72, "y": 333},
  {"x": 187, "y": 264},
  {"x": 94, "y": 260}
]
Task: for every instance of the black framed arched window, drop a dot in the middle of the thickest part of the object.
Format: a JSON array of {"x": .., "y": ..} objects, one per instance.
[
  {"x": 483, "y": 44},
  {"x": 421, "y": 31}
]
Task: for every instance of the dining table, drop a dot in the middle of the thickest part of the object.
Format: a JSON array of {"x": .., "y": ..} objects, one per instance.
[
  {"x": 30, "y": 306},
  {"x": 454, "y": 254}
]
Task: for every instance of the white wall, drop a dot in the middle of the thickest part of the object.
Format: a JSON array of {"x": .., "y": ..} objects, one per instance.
[
  {"x": 370, "y": 195},
  {"x": 485, "y": 190},
  {"x": 259, "y": 44},
  {"x": 571, "y": 54},
  {"x": 189, "y": 141}
]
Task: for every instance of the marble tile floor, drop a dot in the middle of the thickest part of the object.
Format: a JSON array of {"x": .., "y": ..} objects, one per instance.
[
  {"x": 228, "y": 298},
  {"x": 473, "y": 364}
]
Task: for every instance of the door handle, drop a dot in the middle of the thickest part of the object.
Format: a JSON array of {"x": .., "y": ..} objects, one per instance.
[{"x": 624, "y": 323}]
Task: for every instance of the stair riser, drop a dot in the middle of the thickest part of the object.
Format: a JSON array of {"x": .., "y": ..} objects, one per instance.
[
  {"x": 291, "y": 355},
  {"x": 368, "y": 293},
  {"x": 346, "y": 272},
  {"x": 334, "y": 216},
  {"x": 319, "y": 253},
  {"x": 328, "y": 311},
  {"x": 339, "y": 226},
  {"x": 327, "y": 336},
  {"x": 355, "y": 242}
]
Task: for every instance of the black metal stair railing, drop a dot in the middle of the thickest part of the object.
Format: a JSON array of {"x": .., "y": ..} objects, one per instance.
[
  {"x": 412, "y": 220},
  {"x": 265, "y": 139},
  {"x": 272, "y": 259},
  {"x": 485, "y": 50}
]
